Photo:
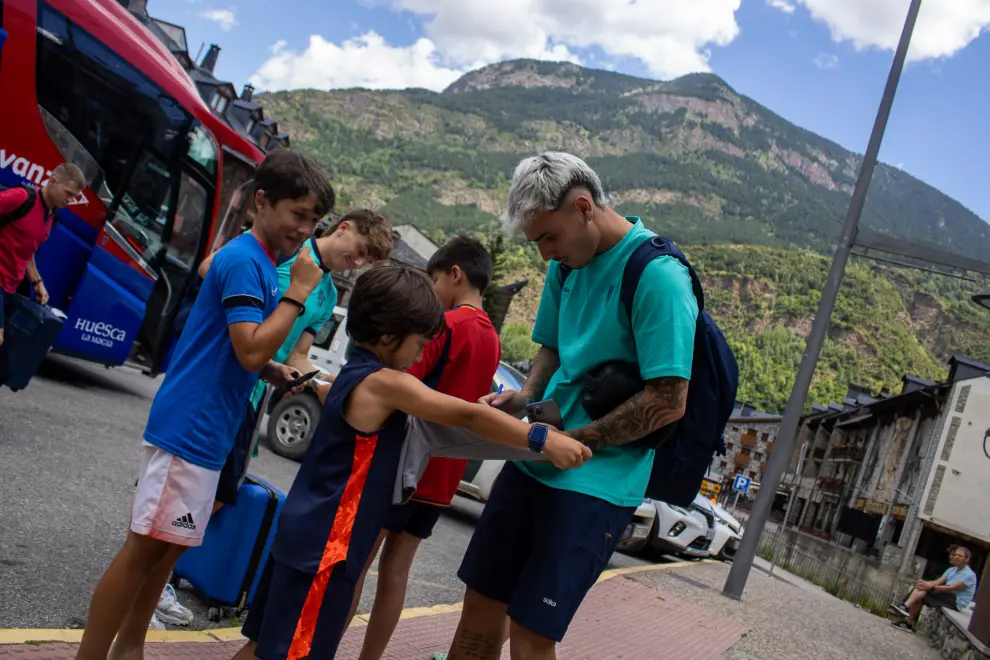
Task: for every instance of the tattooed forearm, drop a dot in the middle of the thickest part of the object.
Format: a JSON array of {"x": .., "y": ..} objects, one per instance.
[
  {"x": 660, "y": 403},
  {"x": 544, "y": 366}
]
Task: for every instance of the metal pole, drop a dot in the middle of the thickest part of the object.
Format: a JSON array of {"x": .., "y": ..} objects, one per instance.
[
  {"x": 795, "y": 485},
  {"x": 743, "y": 563}
]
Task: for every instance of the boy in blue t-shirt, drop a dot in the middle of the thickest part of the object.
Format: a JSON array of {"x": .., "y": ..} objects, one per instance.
[
  {"x": 236, "y": 325},
  {"x": 360, "y": 237}
]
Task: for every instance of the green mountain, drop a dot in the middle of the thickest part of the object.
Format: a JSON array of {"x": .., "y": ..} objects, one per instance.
[{"x": 700, "y": 163}]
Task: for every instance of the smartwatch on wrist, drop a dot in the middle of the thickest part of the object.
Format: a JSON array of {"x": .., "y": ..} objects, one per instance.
[{"x": 538, "y": 437}]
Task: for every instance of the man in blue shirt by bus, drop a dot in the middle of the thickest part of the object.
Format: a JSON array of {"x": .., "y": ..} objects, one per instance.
[
  {"x": 575, "y": 517},
  {"x": 237, "y": 324}
]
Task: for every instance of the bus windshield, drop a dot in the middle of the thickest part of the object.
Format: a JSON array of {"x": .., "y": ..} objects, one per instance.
[{"x": 146, "y": 204}]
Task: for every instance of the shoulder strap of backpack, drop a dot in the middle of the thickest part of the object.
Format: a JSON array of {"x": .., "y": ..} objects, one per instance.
[
  {"x": 432, "y": 379},
  {"x": 644, "y": 253},
  {"x": 22, "y": 210}
]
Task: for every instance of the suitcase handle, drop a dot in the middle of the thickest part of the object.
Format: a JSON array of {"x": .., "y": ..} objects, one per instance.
[{"x": 259, "y": 546}]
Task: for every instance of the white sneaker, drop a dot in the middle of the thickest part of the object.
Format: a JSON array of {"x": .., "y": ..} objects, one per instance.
[
  {"x": 155, "y": 624},
  {"x": 172, "y": 612}
]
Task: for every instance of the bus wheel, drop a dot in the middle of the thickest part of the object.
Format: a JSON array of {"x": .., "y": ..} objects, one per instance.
[{"x": 291, "y": 425}]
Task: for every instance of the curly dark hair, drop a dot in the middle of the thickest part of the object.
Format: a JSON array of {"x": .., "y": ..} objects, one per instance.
[
  {"x": 374, "y": 225},
  {"x": 393, "y": 301}
]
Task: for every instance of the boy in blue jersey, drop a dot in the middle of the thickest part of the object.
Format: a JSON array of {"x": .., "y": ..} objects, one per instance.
[
  {"x": 576, "y": 517},
  {"x": 236, "y": 325},
  {"x": 358, "y": 238}
]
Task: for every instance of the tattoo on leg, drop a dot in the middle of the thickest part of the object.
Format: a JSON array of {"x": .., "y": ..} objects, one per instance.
[{"x": 471, "y": 645}]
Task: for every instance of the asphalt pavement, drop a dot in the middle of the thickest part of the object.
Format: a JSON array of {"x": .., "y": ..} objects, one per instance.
[{"x": 69, "y": 456}]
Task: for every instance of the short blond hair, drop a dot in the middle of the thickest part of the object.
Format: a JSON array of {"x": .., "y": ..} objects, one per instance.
[{"x": 69, "y": 173}]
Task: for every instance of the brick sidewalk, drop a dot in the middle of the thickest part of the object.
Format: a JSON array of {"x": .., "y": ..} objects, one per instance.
[{"x": 621, "y": 618}]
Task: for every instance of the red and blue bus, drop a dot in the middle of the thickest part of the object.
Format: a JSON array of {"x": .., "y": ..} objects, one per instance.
[{"x": 84, "y": 81}]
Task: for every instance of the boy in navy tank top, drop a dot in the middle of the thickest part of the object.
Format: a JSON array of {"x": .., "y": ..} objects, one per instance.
[{"x": 338, "y": 502}]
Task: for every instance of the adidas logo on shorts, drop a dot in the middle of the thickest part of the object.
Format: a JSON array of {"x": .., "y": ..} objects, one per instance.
[{"x": 185, "y": 521}]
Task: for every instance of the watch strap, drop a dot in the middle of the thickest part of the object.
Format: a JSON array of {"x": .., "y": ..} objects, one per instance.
[{"x": 292, "y": 301}]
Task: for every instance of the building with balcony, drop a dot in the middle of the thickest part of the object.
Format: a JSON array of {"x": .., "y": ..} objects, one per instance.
[
  {"x": 900, "y": 477},
  {"x": 749, "y": 439}
]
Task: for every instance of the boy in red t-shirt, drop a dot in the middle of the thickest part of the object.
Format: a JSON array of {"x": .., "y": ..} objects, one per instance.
[{"x": 461, "y": 270}]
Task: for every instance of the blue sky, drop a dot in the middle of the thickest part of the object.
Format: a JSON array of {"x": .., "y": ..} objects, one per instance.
[{"x": 821, "y": 64}]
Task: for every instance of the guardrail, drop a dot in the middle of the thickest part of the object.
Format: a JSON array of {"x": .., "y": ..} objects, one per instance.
[{"x": 832, "y": 580}]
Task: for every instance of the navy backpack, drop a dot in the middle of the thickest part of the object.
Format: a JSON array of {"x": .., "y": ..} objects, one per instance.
[{"x": 684, "y": 450}]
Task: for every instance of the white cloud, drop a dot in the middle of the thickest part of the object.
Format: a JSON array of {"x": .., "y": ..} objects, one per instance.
[
  {"x": 826, "y": 61},
  {"x": 225, "y": 18},
  {"x": 365, "y": 61},
  {"x": 669, "y": 37},
  {"x": 944, "y": 27},
  {"x": 783, "y": 5}
]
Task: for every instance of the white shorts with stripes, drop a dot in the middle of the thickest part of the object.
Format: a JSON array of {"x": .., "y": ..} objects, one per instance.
[{"x": 174, "y": 498}]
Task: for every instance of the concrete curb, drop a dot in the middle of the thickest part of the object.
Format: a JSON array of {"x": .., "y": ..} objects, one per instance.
[{"x": 37, "y": 636}]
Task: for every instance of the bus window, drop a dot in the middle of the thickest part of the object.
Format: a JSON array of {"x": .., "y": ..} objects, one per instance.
[
  {"x": 111, "y": 108},
  {"x": 236, "y": 198},
  {"x": 190, "y": 216},
  {"x": 144, "y": 205},
  {"x": 239, "y": 215},
  {"x": 203, "y": 149}
]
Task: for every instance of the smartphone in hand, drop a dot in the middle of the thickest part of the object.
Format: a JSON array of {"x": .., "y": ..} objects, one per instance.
[
  {"x": 282, "y": 389},
  {"x": 546, "y": 412}
]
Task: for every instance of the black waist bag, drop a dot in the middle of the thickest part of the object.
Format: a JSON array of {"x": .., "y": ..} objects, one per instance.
[{"x": 611, "y": 384}]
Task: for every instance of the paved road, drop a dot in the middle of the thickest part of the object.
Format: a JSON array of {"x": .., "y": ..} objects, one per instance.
[{"x": 68, "y": 460}]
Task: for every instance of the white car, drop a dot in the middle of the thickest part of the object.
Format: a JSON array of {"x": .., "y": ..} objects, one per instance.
[
  {"x": 682, "y": 531},
  {"x": 728, "y": 534}
]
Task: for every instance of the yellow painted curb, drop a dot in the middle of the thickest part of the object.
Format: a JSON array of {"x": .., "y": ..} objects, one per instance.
[
  {"x": 226, "y": 634},
  {"x": 615, "y": 572},
  {"x": 53, "y": 635},
  {"x": 435, "y": 610},
  {"x": 74, "y": 635}
]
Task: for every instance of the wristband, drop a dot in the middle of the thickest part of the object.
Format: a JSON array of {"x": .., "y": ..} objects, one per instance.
[
  {"x": 302, "y": 307},
  {"x": 37, "y": 282}
]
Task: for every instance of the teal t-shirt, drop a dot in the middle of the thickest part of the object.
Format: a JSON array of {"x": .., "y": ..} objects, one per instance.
[
  {"x": 587, "y": 324},
  {"x": 319, "y": 310}
]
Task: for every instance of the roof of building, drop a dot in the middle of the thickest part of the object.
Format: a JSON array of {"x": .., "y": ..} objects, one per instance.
[
  {"x": 247, "y": 105},
  {"x": 407, "y": 256},
  {"x": 960, "y": 359},
  {"x": 417, "y": 240},
  {"x": 760, "y": 417}
]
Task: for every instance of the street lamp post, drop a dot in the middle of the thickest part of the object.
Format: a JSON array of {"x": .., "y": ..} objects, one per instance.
[{"x": 743, "y": 562}]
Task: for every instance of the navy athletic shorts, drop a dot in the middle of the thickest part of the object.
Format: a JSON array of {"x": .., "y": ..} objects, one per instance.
[
  {"x": 416, "y": 518},
  {"x": 539, "y": 550}
]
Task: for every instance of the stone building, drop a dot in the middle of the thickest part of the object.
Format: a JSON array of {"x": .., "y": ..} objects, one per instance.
[
  {"x": 898, "y": 478},
  {"x": 749, "y": 439}
]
